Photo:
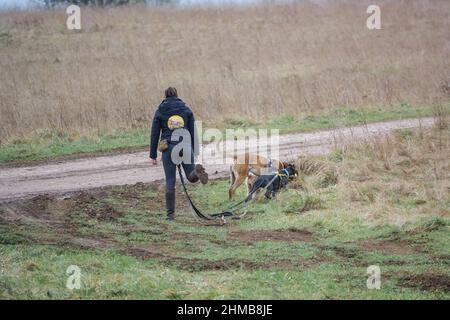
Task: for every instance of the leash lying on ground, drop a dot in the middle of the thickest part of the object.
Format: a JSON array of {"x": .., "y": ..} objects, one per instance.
[
  {"x": 223, "y": 214},
  {"x": 197, "y": 211}
]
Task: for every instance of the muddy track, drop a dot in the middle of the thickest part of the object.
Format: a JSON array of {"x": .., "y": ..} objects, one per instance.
[{"x": 121, "y": 169}]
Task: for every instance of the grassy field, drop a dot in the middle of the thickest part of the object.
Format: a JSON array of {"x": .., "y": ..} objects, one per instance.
[
  {"x": 384, "y": 203},
  {"x": 250, "y": 63},
  {"x": 53, "y": 144}
]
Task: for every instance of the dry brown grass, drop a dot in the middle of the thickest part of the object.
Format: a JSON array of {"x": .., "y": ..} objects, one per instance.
[
  {"x": 399, "y": 178},
  {"x": 234, "y": 62},
  {"x": 395, "y": 179}
]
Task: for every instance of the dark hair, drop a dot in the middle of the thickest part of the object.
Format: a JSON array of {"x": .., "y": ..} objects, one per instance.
[{"x": 171, "y": 92}]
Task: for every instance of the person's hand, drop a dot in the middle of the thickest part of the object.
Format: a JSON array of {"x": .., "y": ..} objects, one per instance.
[{"x": 153, "y": 161}]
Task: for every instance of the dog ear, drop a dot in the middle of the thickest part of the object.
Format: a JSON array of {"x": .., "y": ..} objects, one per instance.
[{"x": 285, "y": 164}]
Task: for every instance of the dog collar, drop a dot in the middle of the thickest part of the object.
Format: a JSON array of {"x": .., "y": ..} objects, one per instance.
[{"x": 286, "y": 173}]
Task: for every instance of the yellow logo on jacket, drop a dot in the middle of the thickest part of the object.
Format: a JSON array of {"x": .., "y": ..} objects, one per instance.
[{"x": 175, "y": 122}]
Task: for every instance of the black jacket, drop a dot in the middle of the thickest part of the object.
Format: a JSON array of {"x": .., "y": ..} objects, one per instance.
[{"x": 160, "y": 130}]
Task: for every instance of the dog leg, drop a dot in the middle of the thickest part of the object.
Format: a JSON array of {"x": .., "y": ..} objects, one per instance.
[
  {"x": 270, "y": 194},
  {"x": 251, "y": 178},
  {"x": 232, "y": 175},
  {"x": 232, "y": 180},
  {"x": 238, "y": 181}
]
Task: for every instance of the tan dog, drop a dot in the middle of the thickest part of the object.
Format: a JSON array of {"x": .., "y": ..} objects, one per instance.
[{"x": 247, "y": 167}]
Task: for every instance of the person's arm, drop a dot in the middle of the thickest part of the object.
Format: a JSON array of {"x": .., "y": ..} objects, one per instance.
[{"x": 154, "y": 136}]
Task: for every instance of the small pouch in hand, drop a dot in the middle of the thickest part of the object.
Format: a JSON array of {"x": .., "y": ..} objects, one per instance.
[{"x": 163, "y": 145}]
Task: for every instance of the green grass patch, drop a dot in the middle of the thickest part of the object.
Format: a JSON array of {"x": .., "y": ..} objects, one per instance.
[
  {"x": 314, "y": 241},
  {"x": 138, "y": 255},
  {"x": 47, "y": 145}
]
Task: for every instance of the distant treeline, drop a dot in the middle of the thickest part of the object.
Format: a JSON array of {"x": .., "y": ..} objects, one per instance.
[{"x": 103, "y": 3}]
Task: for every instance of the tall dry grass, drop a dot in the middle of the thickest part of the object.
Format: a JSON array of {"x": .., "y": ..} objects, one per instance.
[
  {"x": 253, "y": 62},
  {"x": 396, "y": 178}
]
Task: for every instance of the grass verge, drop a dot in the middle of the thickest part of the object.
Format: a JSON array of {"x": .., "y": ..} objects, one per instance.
[{"x": 385, "y": 203}]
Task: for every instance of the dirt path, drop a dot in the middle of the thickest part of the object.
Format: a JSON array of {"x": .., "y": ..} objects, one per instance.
[{"x": 94, "y": 172}]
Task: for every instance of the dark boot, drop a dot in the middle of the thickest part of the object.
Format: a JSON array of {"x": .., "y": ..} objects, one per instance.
[
  {"x": 199, "y": 173},
  {"x": 170, "y": 204}
]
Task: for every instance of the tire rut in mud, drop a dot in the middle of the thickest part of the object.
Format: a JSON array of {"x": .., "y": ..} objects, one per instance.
[
  {"x": 427, "y": 282},
  {"x": 59, "y": 221}
]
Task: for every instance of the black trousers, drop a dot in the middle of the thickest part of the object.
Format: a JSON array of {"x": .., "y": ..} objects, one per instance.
[{"x": 170, "y": 168}]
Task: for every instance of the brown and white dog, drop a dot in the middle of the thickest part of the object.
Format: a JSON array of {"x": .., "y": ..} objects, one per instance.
[{"x": 247, "y": 167}]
